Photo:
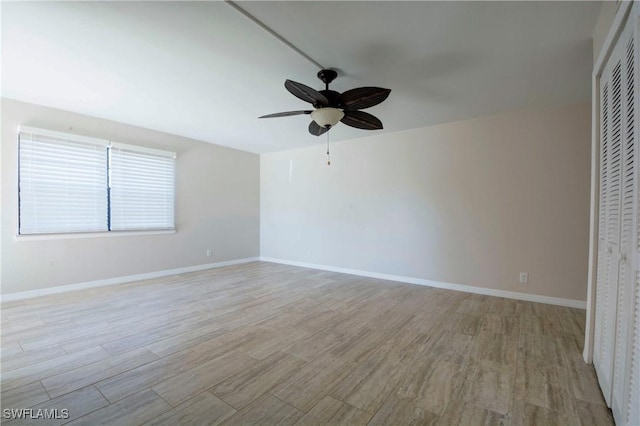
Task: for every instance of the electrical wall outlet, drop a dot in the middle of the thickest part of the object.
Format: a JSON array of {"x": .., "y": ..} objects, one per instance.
[
  {"x": 524, "y": 277},
  {"x": 208, "y": 252}
]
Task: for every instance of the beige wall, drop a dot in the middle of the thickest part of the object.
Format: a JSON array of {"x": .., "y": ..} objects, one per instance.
[
  {"x": 217, "y": 207},
  {"x": 472, "y": 202}
]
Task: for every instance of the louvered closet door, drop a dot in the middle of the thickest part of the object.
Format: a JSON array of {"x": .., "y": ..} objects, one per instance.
[
  {"x": 611, "y": 174},
  {"x": 603, "y": 255},
  {"x": 632, "y": 392},
  {"x": 617, "y": 328},
  {"x": 625, "y": 51}
]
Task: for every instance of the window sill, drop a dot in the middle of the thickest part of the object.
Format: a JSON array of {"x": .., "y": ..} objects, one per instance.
[{"x": 40, "y": 237}]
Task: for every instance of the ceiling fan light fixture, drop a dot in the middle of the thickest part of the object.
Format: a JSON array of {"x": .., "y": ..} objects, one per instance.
[{"x": 327, "y": 117}]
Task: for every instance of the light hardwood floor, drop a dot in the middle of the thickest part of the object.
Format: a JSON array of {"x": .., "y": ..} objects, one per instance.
[{"x": 269, "y": 344}]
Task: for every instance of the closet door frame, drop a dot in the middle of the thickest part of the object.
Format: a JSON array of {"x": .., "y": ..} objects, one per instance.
[{"x": 625, "y": 10}]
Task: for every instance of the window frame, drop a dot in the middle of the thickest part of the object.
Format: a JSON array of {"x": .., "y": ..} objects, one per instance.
[{"x": 108, "y": 144}]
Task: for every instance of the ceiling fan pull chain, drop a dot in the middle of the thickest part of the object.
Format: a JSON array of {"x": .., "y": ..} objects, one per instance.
[{"x": 328, "y": 156}]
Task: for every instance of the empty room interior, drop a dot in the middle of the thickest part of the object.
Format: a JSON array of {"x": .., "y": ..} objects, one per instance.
[{"x": 320, "y": 212}]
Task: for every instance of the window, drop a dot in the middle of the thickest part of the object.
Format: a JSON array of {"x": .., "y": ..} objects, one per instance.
[
  {"x": 141, "y": 188},
  {"x": 62, "y": 183},
  {"x": 70, "y": 183}
]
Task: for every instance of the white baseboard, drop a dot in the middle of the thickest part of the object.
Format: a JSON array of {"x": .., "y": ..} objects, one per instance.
[
  {"x": 571, "y": 303},
  {"x": 410, "y": 280},
  {"x": 121, "y": 280}
]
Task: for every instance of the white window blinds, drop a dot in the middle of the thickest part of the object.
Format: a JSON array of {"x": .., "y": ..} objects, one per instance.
[
  {"x": 62, "y": 182},
  {"x": 70, "y": 183},
  {"x": 141, "y": 188}
]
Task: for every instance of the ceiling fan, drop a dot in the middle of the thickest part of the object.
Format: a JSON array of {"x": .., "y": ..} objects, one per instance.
[{"x": 331, "y": 106}]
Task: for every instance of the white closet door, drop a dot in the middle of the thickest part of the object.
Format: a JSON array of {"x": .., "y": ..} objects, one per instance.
[
  {"x": 609, "y": 249},
  {"x": 626, "y": 385},
  {"x": 625, "y": 51},
  {"x": 601, "y": 277},
  {"x": 632, "y": 395},
  {"x": 617, "y": 328}
]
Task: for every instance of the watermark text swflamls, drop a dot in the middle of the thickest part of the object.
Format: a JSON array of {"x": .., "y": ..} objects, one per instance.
[{"x": 35, "y": 414}]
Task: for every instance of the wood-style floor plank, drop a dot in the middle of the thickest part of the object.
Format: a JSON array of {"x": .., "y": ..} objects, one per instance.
[
  {"x": 330, "y": 411},
  {"x": 93, "y": 373},
  {"x": 78, "y": 403},
  {"x": 22, "y": 359},
  {"x": 461, "y": 413},
  {"x": 246, "y": 386},
  {"x": 371, "y": 383},
  {"x": 133, "y": 410},
  {"x": 266, "y": 410},
  {"x": 397, "y": 411},
  {"x": 24, "y": 396},
  {"x": 307, "y": 386},
  {"x": 432, "y": 384},
  {"x": 203, "y": 409},
  {"x": 262, "y": 343},
  {"x": 50, "y": 367},
  {"x": 488, "y": 385},
  {"x": 202, "y": 377},
  {"x": 147, "y": 375}
]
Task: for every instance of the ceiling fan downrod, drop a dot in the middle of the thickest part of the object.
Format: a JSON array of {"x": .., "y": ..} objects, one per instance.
[{"x": 327, "y": 76}]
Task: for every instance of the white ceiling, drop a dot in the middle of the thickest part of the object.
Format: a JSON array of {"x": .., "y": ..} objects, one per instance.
[{"x": 205, "y": 71}]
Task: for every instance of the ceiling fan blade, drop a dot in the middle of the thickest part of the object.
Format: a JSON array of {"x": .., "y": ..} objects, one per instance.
[
  {"x": 306, "y": 93},
  {"x": 286, "y": 114},
  {"x": 361, "y": 120},
  {"x": 316, "y": 130},
  {"x": 363, "y": 97}
]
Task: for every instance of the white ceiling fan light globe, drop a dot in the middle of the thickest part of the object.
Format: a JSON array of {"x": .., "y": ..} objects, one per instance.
[{"x": 327, "y": 116}]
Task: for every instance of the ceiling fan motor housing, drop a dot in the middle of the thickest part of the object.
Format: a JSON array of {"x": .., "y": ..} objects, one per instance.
[{"x": 332, "y": 96}]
